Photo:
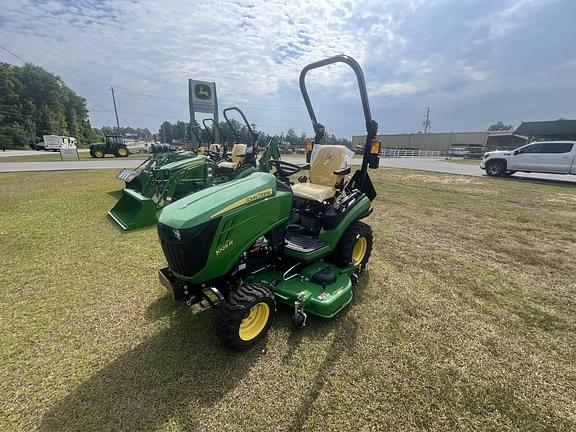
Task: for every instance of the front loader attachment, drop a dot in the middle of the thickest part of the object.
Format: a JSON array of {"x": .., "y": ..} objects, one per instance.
[{"x": 134, "y": 210}]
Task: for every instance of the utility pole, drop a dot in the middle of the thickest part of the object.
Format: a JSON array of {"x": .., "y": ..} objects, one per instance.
[
  {"x": 115, "y": 110},
  {"x": 426, "y": 123}
]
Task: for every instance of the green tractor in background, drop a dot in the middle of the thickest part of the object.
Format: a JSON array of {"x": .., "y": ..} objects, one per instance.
[
  {"x": 166, "y": 182},
  {"x": 245, "y": 245},
  {"x": 140, "y": 179},
  {"x": 215, "y": 150},
  {"x": 114, "y": 144}
]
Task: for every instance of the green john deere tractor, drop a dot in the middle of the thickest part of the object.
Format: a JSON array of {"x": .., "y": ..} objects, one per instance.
[
  {"x": 140, "y": 178},
  {"x": 247, "y": 244},
  {"x": 167, "y": 180},
  {"x": 214, "y": 149},
  {"x": 114, "y": 144}
]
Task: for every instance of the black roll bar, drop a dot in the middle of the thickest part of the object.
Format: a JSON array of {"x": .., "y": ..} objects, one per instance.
[
  {"x": 236, "y": 136},
  {"x": 250, "y": 149},
  {"x": 197, "y": 131},
  {"x": 214, "y": 126},
  {"x": 319, "y": 129}
]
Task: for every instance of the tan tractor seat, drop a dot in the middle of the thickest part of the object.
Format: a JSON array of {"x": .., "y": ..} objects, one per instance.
[
  {"x": 327, "y": 168},
  {"x": 214, "y": 148},
  {"x": 238, "y": 155},
  {"x": 313, "y": 192}
]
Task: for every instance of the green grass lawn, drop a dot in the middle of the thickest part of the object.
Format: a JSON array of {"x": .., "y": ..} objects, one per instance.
[
  {"x": 464, "y": 320},
  {"x": 52, "y": 157}
]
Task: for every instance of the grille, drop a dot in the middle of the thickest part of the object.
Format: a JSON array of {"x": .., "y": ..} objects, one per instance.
[{"x": 186, "y": 250}]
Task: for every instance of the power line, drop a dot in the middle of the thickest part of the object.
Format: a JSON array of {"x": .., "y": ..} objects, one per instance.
[
  {"x": 293, "y": 109},
  {"x": 14, "y": 55},
  {"x": 102, "y": 109}
]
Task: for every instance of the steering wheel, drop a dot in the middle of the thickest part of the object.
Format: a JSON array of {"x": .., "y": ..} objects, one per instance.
[
  {"x": 213, "y": 155},
  {"x": 286, "y": 169}
]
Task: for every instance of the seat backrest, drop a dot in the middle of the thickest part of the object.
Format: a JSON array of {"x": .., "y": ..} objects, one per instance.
[
  {"x": 214, "y": 148},
  {"x": 328, "y": 159},
  {"x": 238, "y": 153}
]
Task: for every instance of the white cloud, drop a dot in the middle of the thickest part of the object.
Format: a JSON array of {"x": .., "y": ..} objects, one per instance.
[{"x": 413, "y": 51}]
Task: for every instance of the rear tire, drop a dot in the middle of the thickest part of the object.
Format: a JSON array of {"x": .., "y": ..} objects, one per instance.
[
  {"x": 354, "y": 247},
  {"x": 495, "y": 168},
  {"x": 122, "y": 152},
  {"x": 245, "y": 316}
]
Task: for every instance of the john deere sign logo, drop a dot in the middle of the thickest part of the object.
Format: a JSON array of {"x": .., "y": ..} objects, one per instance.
[
  {"x": 202, "y": 96},
  {"x": 203, "y": 92}
]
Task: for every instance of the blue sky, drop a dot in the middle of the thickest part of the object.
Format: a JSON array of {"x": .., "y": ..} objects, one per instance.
[{"x": 473, "y": 62}]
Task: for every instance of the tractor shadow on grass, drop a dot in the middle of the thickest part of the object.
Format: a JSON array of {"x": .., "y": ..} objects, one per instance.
[
  {"x": 321, "y": 326},
  {"x": 344, "y": 342},
  {"x": 164, "y": 379}
]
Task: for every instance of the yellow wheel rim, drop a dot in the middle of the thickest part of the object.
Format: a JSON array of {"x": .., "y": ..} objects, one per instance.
[
  {"x": 122, "y": 151},
  {"x": 254, "y": 323},
  {"x": 359, "y": 250},
  {"x": 98, "y": 153}
]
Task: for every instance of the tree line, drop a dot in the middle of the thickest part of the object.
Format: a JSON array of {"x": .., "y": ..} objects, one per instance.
[{"x": 35, "y": 102}]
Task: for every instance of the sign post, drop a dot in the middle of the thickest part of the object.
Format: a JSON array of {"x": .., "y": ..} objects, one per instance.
[{"x": 202, "y": 98}]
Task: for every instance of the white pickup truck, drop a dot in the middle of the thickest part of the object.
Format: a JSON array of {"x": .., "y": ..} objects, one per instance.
[{"x": 555, "y": 157}]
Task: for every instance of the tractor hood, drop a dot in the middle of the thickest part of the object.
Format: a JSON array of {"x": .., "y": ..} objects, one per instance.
[
  {"x": 215, "y": 201},
  {"x": 184, "y": 163}
]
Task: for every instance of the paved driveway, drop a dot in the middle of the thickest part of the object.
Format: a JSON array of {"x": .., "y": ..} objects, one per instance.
[
  {"x": 434, "y": 165},
  {"x": 9, "y": 153},
  {"x": 68, "y": 165},
  {"x": 448, "y": 167}
]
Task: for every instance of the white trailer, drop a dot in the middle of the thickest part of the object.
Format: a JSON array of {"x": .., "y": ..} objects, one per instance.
[{"x": 56, "y": 142}]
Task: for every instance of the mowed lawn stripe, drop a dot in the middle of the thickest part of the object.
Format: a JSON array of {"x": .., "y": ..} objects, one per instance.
[{"x": 464, "y": 320}]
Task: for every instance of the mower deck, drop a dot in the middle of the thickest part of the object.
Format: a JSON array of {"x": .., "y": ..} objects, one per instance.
[{"x": 321, "y": 289}]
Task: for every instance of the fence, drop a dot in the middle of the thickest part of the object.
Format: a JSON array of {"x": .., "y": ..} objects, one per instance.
[{"x": 399, "y": 153}]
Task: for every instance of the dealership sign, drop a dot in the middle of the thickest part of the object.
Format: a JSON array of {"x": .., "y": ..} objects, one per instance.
[{"x": 203, "y": 96}]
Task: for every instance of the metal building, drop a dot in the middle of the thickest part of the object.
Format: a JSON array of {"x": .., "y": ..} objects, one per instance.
[
  {"x": 557, "y": 130},
  {"x": 471, "y": 142}
]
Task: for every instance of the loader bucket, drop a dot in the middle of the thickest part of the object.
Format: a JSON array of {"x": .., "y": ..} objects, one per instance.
[{"x": 134, "y": 210}]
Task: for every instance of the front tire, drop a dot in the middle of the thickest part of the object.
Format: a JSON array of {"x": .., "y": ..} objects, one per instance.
[
  {"x": 245, "y": 316},
  {"x": 354, "y": 247},
  {"x": 99, "y": 153},
  {"x": 495, "y": 168}
]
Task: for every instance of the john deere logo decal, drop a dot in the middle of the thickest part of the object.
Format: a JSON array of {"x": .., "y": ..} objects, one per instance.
[{"x": 203, "y": 92}]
